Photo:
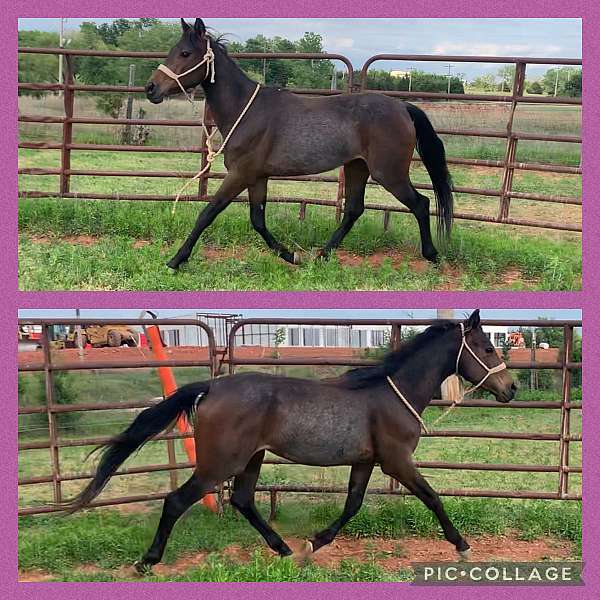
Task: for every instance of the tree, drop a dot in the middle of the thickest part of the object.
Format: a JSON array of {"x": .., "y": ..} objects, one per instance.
[
  {"x": 506, "y": 74},
  {"x": 534, "y": 87},
  {"x": 485, "y": 83},
  {"x": 564, "y": 81},
  {"x": 37, "y": 68}
]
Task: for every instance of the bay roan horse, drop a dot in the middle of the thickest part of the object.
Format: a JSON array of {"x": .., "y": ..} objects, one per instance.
[
  {"x": 285, "y": 134},
  {"x": 357, "y": 419}
]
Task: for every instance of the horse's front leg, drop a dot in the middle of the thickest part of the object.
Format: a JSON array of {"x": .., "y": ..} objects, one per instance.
[
  {"x": 232, "y": 186},
  {"x": 257, "y": 194}
]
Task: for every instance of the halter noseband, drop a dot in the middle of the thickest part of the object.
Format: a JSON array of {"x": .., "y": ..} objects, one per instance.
[
  {"x": 490, "y": 371},
  {"x": 208, "y": 59}
]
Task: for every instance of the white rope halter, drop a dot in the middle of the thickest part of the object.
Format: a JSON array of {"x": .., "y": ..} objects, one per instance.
[
  {"x": 463, "y": 345},
  {"x": 209, "y": 59},
  {"x": 489, "y": 370}
]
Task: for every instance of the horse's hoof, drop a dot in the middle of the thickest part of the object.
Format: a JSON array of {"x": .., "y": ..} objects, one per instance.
[
  {"x": 465, "y": 555},
  {"x": 142, "y": 568},
  {"x": 304, "y": 554},
  {"x": 297, "y": 258}
]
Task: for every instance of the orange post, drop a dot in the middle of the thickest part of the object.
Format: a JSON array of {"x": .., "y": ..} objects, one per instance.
[{"x": 169, "y": 386}]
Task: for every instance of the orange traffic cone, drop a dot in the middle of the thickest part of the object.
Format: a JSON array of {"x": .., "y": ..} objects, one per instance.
[{"x": 169, "y": 386}]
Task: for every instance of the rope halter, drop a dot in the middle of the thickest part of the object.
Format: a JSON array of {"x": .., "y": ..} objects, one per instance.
[
  {"x": 489, "y": 370},
  {"x": 208, "y": 59}
]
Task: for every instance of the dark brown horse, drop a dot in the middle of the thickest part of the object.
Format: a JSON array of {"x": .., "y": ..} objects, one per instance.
[
  {"x": 284, "y": 134},
  {"x": 357, "y": 419}
]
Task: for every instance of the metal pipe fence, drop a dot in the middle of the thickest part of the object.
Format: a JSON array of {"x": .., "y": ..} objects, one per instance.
[
  {"x": 509, "y": 164},
  {"x": 229, "y": 358}
]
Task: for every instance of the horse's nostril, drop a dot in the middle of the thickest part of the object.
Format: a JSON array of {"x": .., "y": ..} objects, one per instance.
[{"x": 150, "y": 87}]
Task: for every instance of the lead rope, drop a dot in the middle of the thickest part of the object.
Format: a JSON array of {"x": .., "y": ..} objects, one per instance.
[
  {"x": 490, "y": 371},
  {"x": 415, "y": 414},
  {"x": 209, "y": 59}
]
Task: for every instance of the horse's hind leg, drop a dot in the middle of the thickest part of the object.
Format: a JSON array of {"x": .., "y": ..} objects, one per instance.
[
  {"x": 418, "y": 204},
  {"x": 242, "y": 498},
  {"x": 258, "y": 200},
  {"x": 359, "y": 479},
  {"x": 356, "y": 174},
  {"x": 230, "y": 188},
  {"x": 176, "y": 503},
  {"x": 406, "y": 473}
]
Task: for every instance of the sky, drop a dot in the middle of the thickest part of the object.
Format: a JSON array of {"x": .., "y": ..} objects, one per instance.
[
  {"x": 358, "y": 39},
  {"x": 307, "y": 314}
]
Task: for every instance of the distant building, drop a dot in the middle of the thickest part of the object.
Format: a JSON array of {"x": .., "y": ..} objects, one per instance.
[
  {"x": 301, "y": 336},
  {"x": 398, "y": 73}
]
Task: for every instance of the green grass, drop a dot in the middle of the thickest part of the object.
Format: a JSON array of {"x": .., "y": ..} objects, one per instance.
[
  {"x": 479, "y": 258},
  {"x": 108, "y": 539}
]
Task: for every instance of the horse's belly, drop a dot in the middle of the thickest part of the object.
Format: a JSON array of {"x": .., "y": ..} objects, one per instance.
[{"x": 330, "y": 442}]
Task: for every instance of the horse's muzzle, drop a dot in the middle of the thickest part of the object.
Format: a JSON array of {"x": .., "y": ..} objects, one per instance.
[{"x": 153, "y": 93}]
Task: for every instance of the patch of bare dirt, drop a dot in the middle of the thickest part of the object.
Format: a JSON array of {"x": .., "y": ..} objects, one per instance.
[
  {"x": 76, "y": 240},
  {"x": 392, "y": 555},
  {"x": 141, "y": 243},
  {"x": 377, "y": 259},
  {"x": 512, "y": 276},
  {"x": 34, "y": 576},
  {"x": 389, "y": 554},
  {"x": 213, "y": 254}
]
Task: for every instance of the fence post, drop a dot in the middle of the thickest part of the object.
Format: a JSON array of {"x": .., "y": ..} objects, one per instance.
[
  {"x": 129, "y": 109},
  {"x": 395, "y": 341},
  {"x": 209, "y": 123},
  {"x": 511, "y": 144},
  {"x": 565, "y": 413},
  {"x": 67, "y": 133},
  {"x": 341, "y": 193},
  {"x": 52, "y": 424}
]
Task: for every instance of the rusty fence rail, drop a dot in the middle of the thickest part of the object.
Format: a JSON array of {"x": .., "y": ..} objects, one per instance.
[
  {"x": 52, "y": 409},
  {"x": 564, "y": 436},
  {"x": 509, "y": 164}
]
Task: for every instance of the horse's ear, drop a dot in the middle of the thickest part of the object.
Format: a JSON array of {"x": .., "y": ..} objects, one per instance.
[
  {"x": 199, "y": 27},
  {"x": 185, "y": 26},
  {"x": 473, "y": 321}
]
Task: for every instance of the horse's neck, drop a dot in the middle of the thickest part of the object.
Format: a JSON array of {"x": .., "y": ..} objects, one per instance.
[
  {"x": 230, "y": 92},
  {"x": 421, "y": 375}
]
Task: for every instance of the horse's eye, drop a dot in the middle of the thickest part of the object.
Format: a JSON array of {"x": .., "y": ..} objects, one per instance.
[
  {"x": 185, "y": 54},
  {"x": 489, "y": 350}
]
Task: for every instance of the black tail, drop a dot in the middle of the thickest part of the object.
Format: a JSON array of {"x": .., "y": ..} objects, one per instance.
[
  {"x": 146, "y": 425},
  {"x": 432, "y": 152}
]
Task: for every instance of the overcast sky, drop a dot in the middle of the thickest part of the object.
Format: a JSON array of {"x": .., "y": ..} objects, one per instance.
[{"x": 358, "y": 39}]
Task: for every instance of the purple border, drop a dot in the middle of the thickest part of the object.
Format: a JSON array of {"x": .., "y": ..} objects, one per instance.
[{"x": 289, "y": 8}]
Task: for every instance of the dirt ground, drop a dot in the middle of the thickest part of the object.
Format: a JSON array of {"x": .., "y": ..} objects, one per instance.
[{"x": 390, "y": 554}]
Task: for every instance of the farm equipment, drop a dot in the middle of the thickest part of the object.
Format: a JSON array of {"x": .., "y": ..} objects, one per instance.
[
  {"x": 516, "y": 339},
  {"x": 101, "y": 336}
]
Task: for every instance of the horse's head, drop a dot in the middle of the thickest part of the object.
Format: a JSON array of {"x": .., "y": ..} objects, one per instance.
[
  {"x": 188, "y": 63},
  {"x": 479, "y": 363}
]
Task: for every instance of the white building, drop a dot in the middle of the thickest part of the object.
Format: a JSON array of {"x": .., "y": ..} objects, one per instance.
[{"x": 270, "y": 335}]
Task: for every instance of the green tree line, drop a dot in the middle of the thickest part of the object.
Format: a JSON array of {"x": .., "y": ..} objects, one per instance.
[{"x": 151, "y": 34}]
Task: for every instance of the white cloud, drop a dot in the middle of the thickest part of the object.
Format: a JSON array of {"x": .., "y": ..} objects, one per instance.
[
  {"x": 495, "y": 49},
  {"x": 339, "y": 43}
]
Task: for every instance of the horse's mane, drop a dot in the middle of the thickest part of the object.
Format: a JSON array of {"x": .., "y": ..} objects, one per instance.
[{"x": 363, "y": 377}]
